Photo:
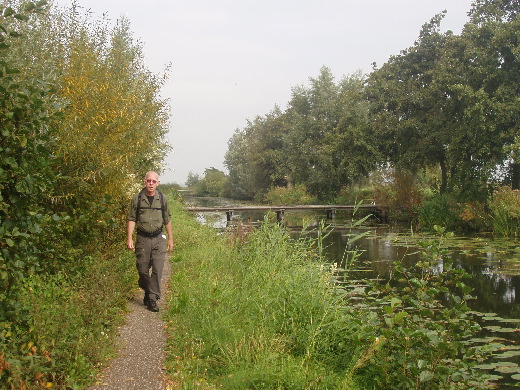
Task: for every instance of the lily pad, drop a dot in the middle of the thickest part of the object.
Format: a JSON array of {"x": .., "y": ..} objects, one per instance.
[
  {"x": 500, "y": 329},
  {"x": 508, "y": 354},
  {"x": 510, "y": 320},
  {"x": 508, "y": 369},
  {"x": 492, "y": 318}
]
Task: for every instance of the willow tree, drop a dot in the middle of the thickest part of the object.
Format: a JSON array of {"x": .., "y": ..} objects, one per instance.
[
  {"x": 312, "y": 115},
  {"x": 240, "y": 183},
  {"x": 115, "y": 121},
  {"x": 256, "y": 159},
  {"x": 112, "y": 120},
  {"x": 326, "y": 142}
]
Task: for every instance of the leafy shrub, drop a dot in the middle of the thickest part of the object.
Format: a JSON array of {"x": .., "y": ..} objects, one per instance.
[
  {"x": 443, "y": 210},
  {"x": 353, "y": 194},
  {"x": 289, "y": 195},
  {"x": 62, "y": 282},
  {"x": 66, "y": 324},
  {"x": 401, "y": 195},
  {"x": 438, "y": 210},
  {"x": 474, "y": 216}
]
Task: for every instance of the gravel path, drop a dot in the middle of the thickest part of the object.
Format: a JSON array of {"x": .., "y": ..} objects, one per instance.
[{"x": 141, "y": 344}]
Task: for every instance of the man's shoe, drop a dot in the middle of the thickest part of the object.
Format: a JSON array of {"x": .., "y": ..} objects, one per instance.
[
  {"x": 152, "y": 305},
  {"x": 146, "y": 299}
]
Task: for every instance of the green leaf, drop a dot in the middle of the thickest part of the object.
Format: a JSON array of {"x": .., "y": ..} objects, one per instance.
[
  {"x": 11, "y": 162},
  {"x": 9, "y": 242},
  {"x": 29, "y": 6},
  {"x": 8, "y": 12},
  {"x": 396, "y": 302},
  {"x": 399, "y": 317},
  {"x": 425, "y": 376},
  {"x": 21, "y": 17}
]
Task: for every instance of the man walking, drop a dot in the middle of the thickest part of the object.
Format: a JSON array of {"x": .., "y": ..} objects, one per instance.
[{"x": 149, "y": 212}]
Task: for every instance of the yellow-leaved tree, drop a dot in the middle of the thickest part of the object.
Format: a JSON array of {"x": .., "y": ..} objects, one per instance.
[{"x": 115, "y": 120}]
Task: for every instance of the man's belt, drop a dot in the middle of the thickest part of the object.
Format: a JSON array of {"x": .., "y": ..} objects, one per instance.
[{"x": 152, "y": 234}]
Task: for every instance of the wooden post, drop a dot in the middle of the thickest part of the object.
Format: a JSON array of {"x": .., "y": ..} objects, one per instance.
[
  {"x": 331, "y": 214},
  {"x": 229, "y": 215},
  {"x": 279, "y": 215},
  {"x": 384, "y": 215}
]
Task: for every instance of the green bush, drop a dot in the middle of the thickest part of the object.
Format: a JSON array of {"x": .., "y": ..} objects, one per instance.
[
  {"x": 443, "y": 210},
  {"x": 66, "y": 324},
  {"x": 437, "y": 210},
  {"x": 289, "y": 195},
  {"x": 354, "y": 194}
]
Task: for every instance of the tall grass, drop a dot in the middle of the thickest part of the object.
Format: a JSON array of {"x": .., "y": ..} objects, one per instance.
[
  {"x": 252, "y": 316},
  {"x": 505, "y": 211},
  {"x": 267, "y": 314}
]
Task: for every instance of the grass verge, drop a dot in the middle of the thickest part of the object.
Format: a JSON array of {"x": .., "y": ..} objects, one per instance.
[{"x": 252, "y": 315}]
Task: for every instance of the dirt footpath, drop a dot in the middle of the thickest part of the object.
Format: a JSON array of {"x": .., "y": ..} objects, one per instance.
[{"x": 141, "y": 348}]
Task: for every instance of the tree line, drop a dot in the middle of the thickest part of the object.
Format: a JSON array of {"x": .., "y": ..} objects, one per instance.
[
  {"x": 81, "y": 118},
  {"x": 444, "y": 111}
]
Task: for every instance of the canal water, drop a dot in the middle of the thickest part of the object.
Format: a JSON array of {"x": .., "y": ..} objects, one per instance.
[{"x": 493, "y": 264}]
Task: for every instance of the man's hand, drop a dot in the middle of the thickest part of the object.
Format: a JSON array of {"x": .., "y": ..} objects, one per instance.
[
  {"x": 168, "y": 227},
  {"x": 130, "y": 237}
]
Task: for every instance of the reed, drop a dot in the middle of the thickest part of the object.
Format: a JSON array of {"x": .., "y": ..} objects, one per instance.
[
  {"x": 505, "y": 211},
  {"x": 250, "y": 316}
]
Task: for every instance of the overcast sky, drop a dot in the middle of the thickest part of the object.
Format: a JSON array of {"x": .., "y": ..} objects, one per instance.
[{"x": 232, "y": 60}]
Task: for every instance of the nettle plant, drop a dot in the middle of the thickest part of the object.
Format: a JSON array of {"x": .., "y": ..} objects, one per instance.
[{"x": 424, "y": 325}]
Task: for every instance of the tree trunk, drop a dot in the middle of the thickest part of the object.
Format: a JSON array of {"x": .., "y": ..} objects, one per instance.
[
  {"x": 444, "y": 175},
  {"x": 515, "y": 176}
]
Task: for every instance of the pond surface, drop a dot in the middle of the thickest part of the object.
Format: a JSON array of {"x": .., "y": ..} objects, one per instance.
[{"x": 493, "y": 264}]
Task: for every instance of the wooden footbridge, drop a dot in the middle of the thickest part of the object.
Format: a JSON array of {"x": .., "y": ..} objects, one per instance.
[{"x": 379, "y": 210}]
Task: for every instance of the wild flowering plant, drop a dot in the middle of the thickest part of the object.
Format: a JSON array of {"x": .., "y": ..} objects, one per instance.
[{"x": 423, "y": 323}]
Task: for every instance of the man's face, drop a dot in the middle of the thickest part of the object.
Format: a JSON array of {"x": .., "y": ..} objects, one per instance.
[{"x": 151, "y": 181}]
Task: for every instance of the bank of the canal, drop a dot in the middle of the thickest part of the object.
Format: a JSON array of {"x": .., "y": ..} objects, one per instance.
[{"x": 492, "y": 263}]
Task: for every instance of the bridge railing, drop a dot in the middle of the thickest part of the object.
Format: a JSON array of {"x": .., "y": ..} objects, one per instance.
[{"x": 280, "y": 210}]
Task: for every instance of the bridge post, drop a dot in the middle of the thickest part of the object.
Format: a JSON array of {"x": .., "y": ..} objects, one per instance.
[
  {"x": 279, "y": 215},
  {"x": 229, "y": 215},
  {"x": 381, "y": 214},
  {"x": 331, "y": 214},
  {"x": 384, "y": 215}
]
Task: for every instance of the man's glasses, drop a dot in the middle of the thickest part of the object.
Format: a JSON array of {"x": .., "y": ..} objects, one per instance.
[{"x": 151, "y": 181}]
